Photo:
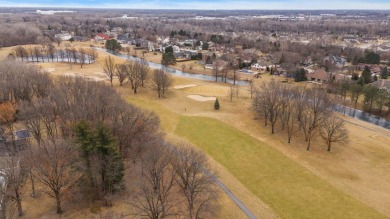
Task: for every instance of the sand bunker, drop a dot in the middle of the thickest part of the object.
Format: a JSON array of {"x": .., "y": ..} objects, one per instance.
[
  {"x": 184, "y": 86},
  {"x": 201, "y": 98}
]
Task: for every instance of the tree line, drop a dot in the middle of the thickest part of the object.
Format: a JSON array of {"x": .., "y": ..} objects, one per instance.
[
  {"x": 86, "y": 139},
  {"x": 373, "y": 99},
  {"x": 137, "y": 73},
  {"x": 299, "y": 110},
  {"x": 47, "y": 52}
]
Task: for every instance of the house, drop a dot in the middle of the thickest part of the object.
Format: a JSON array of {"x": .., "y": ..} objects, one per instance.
[
  {"x": 338, "y": 61},
  {"x": 307, "y": 61},
  {"x": 80, "y": 38},
  {"x": 375, "y": 69},
  {"x": 63, "y": 36},
  {"x": 176, "y": 49},
  {"x": 280, "y": 71},
  {"x": 382, "y": 84},
  {"x": 124, "y": 38},
  {"x": 189, "y": 53},
  {"x": 258, "y": 66},
  {"x": 319, "y": 75},
  {"x": 101, "y": 37}
]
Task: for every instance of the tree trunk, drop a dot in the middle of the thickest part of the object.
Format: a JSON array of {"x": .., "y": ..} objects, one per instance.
[
  {"x": 329, "y": 145},
  {"x": 18, "y": 203},
  {"x": 3, "y": 211},
  {"x": 58, "y": 201},
  {"x": 308, "y": 144},
  {"x": 33, "y": 194}
]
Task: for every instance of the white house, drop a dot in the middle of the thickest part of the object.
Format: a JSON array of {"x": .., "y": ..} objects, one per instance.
[{"x": 63, "y": 36}]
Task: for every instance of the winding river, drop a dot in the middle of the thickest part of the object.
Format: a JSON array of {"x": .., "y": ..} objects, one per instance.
[
  {"x": 174, "y": 71},
  {"x": 357, "y": 114}
]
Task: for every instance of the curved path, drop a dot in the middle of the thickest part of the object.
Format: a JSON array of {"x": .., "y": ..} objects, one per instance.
[{"x": 234, "y": 198}]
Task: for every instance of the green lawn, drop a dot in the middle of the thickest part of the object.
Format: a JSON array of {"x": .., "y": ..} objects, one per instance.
[{"x": 288, "y": 188}]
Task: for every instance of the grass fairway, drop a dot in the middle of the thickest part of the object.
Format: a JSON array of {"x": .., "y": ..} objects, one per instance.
[{"x": 291, "y": 190}]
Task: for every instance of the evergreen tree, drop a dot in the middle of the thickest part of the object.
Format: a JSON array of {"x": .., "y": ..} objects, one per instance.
[
  {"x": 169, "y": 49},
  {"x": 216, "y": 104},
  {"x": 205, "y": 46},
  {"x": 366, "y": 74},
  {"x": 103, "y": 161},
  {"x": 361, "y": 81},
  {"x": 113, "y": 45},
  {"x": 384, "y": 73},
  {"x": 168, "y": 59},
  {"x": 300, "y": 75},
  {"x": 372, "y": 58},
  {"x": 355, "y": 60}
]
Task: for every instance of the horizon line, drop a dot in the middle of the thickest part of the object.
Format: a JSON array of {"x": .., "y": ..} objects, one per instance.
[{"x": 124, "y": 8}]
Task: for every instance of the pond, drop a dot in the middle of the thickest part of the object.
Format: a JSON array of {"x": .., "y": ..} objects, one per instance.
[
  {"x": 358, "y": 114},
  {"x": 177, "y": 72}
]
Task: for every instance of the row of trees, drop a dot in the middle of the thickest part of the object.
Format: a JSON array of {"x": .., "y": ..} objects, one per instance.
[
  {"x": 50, "y": 53},
  {"x": 374, "y": 98},
  {"x": 299, "y": 110},
  {"x": 137, "y": 73},
  {"x": 83, "y": 133}
]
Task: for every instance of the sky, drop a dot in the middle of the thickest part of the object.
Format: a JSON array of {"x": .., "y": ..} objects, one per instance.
[{"x": 205, "y": 4}]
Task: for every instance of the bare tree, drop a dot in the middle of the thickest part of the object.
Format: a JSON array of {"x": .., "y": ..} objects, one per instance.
[
  {"x": 155, "y": 190},
  {"x": 144, "y": 71},
  {"x": 183, "y": 67},
  {"x": 333, "y": 131},
  {"x": 288, "y": 117},
  {"x": 56, "y": 168},
  {"x": 270, "y": 100},
  {"x": 109, "y": 68},
  {"x": 252, "y": 88},
  {"x": 14, "y": 178},
  {"x": 315, "y": 112},
  {"x": 51, "y": 50},
  {"x": 93, "y": 55},
  {"x": 58, "y": 41},
  {"x": 21, "y": 52},
  {"x": 37, "y": 52},
  {"x": 82, "y": 56},
  {"x": 128, "y": 51},
  {"x": 191, "y": 66},
  {"x": 121, "y": 73},
  {"x": 217, "y": 66},
  {"x": 161, "y": 81},
  {"x": 232, "y": 92},
  {"x": 194, "y": 180},
  {"x": 74, "y": 54}
]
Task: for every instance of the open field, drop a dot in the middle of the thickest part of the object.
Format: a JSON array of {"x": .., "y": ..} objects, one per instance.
[
  {"x": 291, "y": 190},
  {"x": 350, "y": 182}
]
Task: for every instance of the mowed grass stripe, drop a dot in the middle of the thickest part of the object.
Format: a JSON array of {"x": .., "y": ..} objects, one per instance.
[{"x": 288, "y": 188}]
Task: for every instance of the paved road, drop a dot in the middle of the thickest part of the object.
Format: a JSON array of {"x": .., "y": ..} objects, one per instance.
[{"x": 234, "y": 198}]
